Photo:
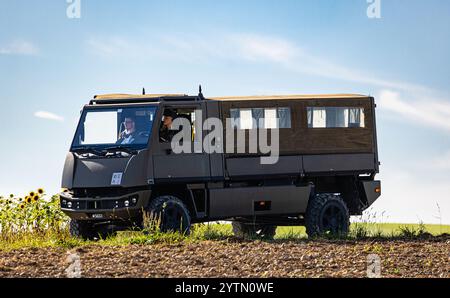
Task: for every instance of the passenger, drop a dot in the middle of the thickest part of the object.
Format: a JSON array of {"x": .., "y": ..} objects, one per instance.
[
  {"x": 166, "y": 133},
  {"x": 129, "y": 135}
]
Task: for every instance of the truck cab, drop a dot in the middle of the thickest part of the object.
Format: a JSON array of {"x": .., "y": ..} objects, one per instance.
[{"x": 260, "y": 162}]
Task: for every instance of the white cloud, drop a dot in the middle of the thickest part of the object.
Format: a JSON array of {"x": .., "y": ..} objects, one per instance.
[
  {"x": 250, "y": 47},
  {"x": 410, "y": 198},
  {"x": 235, "y": 46},
  {"x": 442, "y": 162},
  {"x": 435, "y": 163},
  {"x": 19, "y": 47},
  {"x": 257, "y": 48},
  {"x": 418, "y": 108},
  {"x": 292, "y": 57},
  {"x": 422, "y": 106},
  {"x": 413, "y": 102},
  {"x": 110, "y": 47},
  {"x": 48, "y": 116}
]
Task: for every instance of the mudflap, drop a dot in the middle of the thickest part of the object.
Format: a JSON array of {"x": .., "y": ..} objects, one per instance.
[{"x": 372, "y": 190}]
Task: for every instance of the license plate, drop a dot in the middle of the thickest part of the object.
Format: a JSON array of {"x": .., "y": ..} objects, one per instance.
[{"x": 97, "y": 215}]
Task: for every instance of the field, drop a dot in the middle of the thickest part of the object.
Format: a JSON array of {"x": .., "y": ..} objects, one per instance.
[
  {"x": 34, "y": 242},
  {"x": 212, "y": 252}
]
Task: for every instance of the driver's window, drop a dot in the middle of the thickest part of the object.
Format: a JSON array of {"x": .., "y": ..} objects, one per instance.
[{"x": 166, "y": 131}]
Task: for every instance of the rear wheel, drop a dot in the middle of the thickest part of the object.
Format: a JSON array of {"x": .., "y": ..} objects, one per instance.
[
  {"x": 168, "y": 213},
  {"x": 327, "y": 214},
  {"x": 250, "y": 230}
]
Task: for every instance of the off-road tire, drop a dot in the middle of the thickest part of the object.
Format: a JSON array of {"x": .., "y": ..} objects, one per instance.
[
  {"x": 251, "y": 231},
  {"x": 327, "y": 215},
  {"x": 81, "y": 229},
  {"x": 169, "y": 213}
]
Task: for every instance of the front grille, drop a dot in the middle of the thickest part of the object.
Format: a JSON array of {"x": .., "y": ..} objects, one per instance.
[
  {"x": 104, "y": 191},
  {"x": 92, "y": 204}
]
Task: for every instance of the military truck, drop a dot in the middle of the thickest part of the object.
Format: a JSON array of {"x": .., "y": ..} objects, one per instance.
[{"x": 120, "y": 168}]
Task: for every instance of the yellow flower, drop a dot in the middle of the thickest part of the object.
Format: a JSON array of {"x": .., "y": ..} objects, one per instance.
[
  {"x": 40, "y": 191},
  {"x": 21, "y": 206},
  {"x": 11, "y": 196},
  {"x": 31, "y": 193},
  {"x": 28, "y": 199},
  {"x": 35, "y": 198}
]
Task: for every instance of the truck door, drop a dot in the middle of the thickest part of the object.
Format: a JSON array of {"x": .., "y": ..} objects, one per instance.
[{"x": 191, "y": 166}]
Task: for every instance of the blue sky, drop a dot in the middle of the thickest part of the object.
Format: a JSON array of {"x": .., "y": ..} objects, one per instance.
[{"x": 50, "y": 66}]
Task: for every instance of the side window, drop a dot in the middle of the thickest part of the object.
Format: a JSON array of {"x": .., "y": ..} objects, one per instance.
[
  {"x": 284, "y": 116},
  {"x": 270, "y": 118},
  {"x": 234, "y": 115},
  {"x": 169, "y": 115},
  {"x": 247, "y": 118},
  {"x": 258, "y": 115},
  {"x": 332, "y": 117},
  {"x": 356, "y": 117}
]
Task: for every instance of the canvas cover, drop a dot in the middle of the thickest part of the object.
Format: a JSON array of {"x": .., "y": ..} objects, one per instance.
[
  {"x": 283, "y": 97},
  {"x": 299, "y": 139}
]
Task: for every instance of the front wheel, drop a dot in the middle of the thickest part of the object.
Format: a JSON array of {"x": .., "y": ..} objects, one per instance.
[
  {"x": 327, "y": 214},
  {"x": 168, "y": 213},
  {"x": 81, "y": 229}
]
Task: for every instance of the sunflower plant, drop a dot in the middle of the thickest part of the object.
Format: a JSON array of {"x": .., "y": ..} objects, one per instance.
[{"x": 33, "y": 213}]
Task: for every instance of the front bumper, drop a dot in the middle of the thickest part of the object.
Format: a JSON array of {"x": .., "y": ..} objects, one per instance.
[{"x": 124, "y": 207}]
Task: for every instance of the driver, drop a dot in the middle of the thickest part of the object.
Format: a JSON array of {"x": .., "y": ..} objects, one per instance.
[{"x": 129, "y": 135}]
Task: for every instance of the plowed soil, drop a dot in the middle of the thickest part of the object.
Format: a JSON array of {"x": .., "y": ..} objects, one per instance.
[{"x": 234, "y": 258}]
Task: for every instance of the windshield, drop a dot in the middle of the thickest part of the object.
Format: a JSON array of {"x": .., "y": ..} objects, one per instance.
[{"x": 114, "y": 127}]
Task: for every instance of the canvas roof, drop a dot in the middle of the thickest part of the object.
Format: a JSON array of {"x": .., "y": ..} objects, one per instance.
[
  {"x": 298, "y": 96},
  {"x": 120, "y": 96}
]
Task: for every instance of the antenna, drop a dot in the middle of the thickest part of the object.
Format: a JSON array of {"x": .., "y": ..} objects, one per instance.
[
  {"x": 200, "y": 94},
  {"x": 143, "y": 91}
]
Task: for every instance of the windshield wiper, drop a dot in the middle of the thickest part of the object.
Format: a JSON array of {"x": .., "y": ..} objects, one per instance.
[
  {"x": 83, "y": 150},
  {"x": 120, "y": 148}
]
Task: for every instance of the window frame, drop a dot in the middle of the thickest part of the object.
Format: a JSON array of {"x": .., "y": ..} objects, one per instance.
[
  {"x": 237, "y": 124},
  {"x": 110, "y": 107},
  {"x": 347, "y": 109}
]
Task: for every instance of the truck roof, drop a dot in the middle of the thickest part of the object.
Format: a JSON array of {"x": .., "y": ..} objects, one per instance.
[
  {"x": 110, "y": 98},
  {"x": 129, "y": 96},
  {"x": 293, "y": 96}
]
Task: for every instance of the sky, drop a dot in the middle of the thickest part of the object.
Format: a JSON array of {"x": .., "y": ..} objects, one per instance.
[{"x": 52, "y": 63}]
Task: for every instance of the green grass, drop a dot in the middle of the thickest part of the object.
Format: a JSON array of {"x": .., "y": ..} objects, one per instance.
[
  {"x": 212, "y": 232},
  {"x": 371, "y": 230},
  {"x": 36, "y": 220}
]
